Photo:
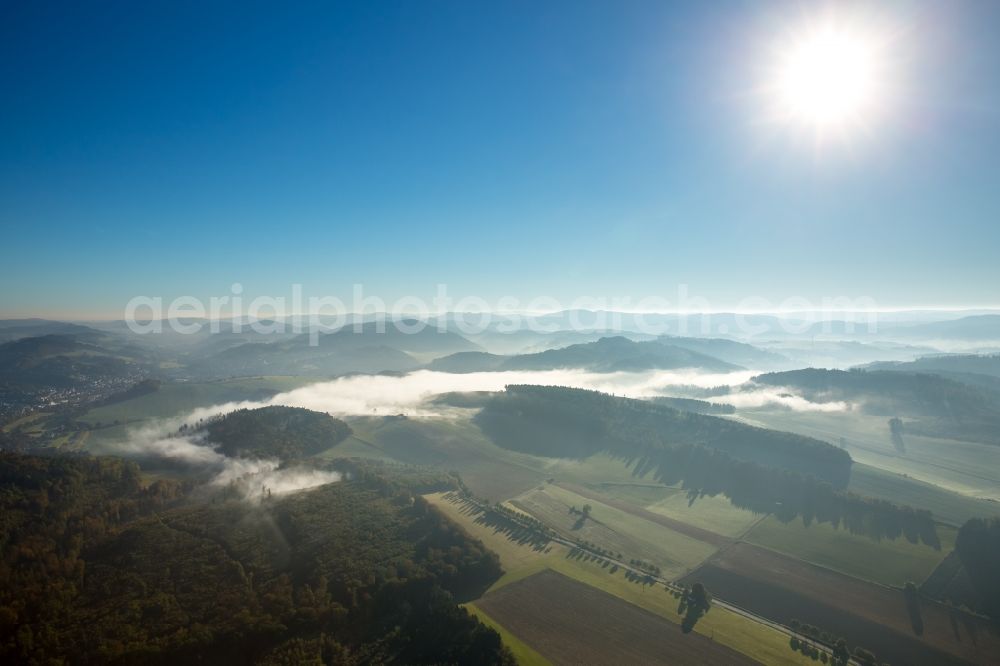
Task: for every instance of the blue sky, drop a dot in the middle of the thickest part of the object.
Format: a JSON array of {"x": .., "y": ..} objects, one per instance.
[{"x": 516, "y": 148}]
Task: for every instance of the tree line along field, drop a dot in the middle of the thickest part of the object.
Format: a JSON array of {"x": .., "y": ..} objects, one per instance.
[
  {"x": 714, "y": 514},
  {"x": 612, "y": 529},
  {"x": 521, "y": 559}
]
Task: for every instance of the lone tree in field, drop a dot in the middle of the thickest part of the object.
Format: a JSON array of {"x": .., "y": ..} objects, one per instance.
[
  {"x": 896, "y": 431},
  {"x": 698, "y": 601}
]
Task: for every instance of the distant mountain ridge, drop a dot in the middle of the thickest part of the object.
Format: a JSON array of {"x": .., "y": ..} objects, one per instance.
[
  {"x": 611, "y": 354},
  {"x": 369, "y": 348},
  {"x": 730, "y": 351}
]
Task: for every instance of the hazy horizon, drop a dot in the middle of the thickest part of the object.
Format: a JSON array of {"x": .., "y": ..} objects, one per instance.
[{"x": 155, "y": 152}]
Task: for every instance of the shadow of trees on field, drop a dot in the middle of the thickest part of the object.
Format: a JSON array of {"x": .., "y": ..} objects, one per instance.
[{"x": 500, "y": 524}]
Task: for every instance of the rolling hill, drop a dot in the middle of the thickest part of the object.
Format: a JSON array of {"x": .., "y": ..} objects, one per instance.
[
  {"x": 63, "y": 361},
  {"x": 932, "y": 404},
  {"x": 279, "y": 432},
  {"x": 370, "y": 348},
  {"x": 614, "y": 354},
  {"x": 730, "y": 351},
  {"x": 948, "y": 364}
]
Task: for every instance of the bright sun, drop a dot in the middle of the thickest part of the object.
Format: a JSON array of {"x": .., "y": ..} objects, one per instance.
[{"x": 827, "y": 77}]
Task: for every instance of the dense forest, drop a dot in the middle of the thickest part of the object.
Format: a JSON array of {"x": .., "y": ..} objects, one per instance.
[
  {"x": 693, "y": 405},
  {"x": 279, "y": 432},
  {"x": 98, "y": 566},
  {"x": 761, "y": 470}
]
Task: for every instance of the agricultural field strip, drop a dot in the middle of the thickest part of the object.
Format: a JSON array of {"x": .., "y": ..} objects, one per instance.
[
  {"x": 746, "y": 613},
  {"x": 880, "y": 604},
  {"x": 676, "y": 525},
  {"x": 679, "y": 526},
  {"x": 615, "y": 529},
  {"x": 890, "y": 562},
  {"x": 575, "y": 623},
  {"x": 524, "y": 653},
  {"x": 948, "y": 506}
]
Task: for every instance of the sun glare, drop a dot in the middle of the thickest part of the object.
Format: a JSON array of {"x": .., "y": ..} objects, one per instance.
[{"x": 828, "y": 77}]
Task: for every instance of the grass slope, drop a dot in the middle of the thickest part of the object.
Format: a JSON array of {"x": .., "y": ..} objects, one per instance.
[
  {"x": 947, "y": 506},
  {"x": 715, "y": 514},
  {"x": 887, "y": 562},
  {"x": 615, "y": 530}
]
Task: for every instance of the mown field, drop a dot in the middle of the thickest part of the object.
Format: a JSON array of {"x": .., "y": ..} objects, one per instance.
[
  {"x": 947, "y": 506},
  {"x": 453, "y": 444},
  {"x": 715, "y": 514},
  {"x": 886, "y": 562},
  {"x": 571, "y": 623},
  {"x": 615, "y": 530},
  {"x": 874, "y": 616},
  {"x": 661, "y": 519},
  {"x": 520, "y": 559}
]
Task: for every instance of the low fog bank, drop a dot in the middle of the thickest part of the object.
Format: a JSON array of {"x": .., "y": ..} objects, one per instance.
[
  {"x": 410, "y": 394},
  {"x": 253, "y": 479},
  {"x": 366, "y": 395},
  {"x": 754, "y": 397}
]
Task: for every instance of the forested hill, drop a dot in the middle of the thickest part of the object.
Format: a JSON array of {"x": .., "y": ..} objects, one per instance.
[
  {"x": 566, "y": 422},
  {"x": 761, "y": 470},
  {"x": 611, "y": 354},
  {"x": 285, "y": 433},
  {"x": 99, "y": 569},
  {"x": 937, "y": 405},
  {"x": 731, "y": 351},
  {"x": 976, "y": 364},
  {"x": 63, "y": 361}
]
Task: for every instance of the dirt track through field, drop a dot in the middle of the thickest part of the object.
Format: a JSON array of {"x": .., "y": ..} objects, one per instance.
[{"x": 569, "y": 622}]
